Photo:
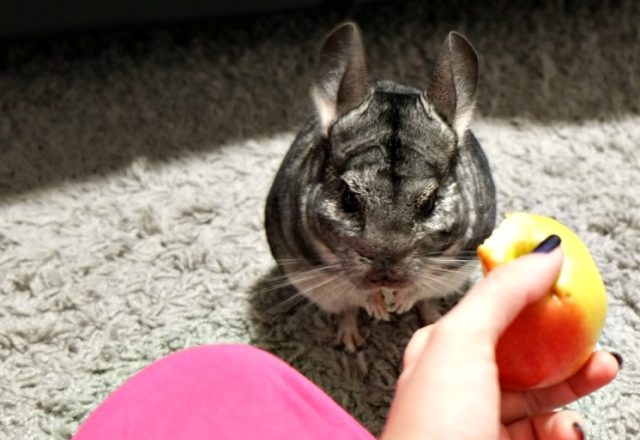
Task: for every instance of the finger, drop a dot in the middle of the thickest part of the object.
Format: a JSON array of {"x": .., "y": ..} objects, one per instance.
[
  {"x": 415, "y": 346},
  {"x": 600, "y": 369},
  {"x": 493, "y": 303},
  {"x": 564, "y": 425}
]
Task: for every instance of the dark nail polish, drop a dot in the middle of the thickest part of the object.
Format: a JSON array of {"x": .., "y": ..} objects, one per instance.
[
  {"x": 548, "y": 244},
  {"x": 618, "y": 357},
  {"x": 578, "y": 428}
]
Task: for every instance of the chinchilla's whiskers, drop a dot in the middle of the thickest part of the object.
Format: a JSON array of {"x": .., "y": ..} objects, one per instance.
[
  {"x": 458, "y": 254},
  {"x": 416, "y": 285},
  {"x": 462, "y": 270},
  {"x": 290, "y": 301},
  {"x": 426, "y": 280},
  {"x": 316, "y": 270},
  {"x": 340, "y": 282},
  {"x": 444, "y": 261},
  {"x": 277, "y": 285},
  {"x": 326, "y": 255},
  {"x": 313, "y": 279},
  {"x": 448, "y": 243},
  {"x": 455, "y": 275},
  {"x": 447, "y": 265},
  {"x": 288, "y": 261},
  {"x": 439, "y": 273},
  {"x": 430, "y": 282},
  {"x": 310, "y": 289},
  {"x": 448, "y": 277},
  {"x": 286, "y": 281},
  {"x": 285, "y": 261},
  {"x": 311, "y": 274},
  {"x": 299, "y": 295}
]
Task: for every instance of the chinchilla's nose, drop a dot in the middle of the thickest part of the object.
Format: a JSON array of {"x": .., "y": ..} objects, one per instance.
[
  {"x": 384, "y": 277},
  {"x": 386, "y": 262}
]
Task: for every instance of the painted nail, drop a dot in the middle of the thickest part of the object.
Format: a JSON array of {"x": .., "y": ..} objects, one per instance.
[
  {"x": 548, "y": 244},
  {"x": 578, "y": 428},
  {"x": 618, "y": 357}
]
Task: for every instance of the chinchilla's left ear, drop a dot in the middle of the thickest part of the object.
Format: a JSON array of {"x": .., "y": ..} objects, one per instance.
[
  {"x": 341, "y": 82},
  {"x": 454, "y": 81}
]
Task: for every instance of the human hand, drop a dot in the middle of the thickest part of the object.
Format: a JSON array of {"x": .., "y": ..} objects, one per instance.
[{"x": 449, "y": 385}]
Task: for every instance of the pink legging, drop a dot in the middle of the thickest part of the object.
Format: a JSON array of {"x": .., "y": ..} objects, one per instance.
[{"x": 220, "y": 392}]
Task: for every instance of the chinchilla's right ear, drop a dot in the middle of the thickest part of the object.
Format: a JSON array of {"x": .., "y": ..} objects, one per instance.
[
  {"x": 454, "y": 81},
  {"x": 341, "y": 82}
]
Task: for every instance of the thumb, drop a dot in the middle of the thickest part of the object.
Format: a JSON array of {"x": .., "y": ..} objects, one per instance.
[{"x": 493, "y": 303}]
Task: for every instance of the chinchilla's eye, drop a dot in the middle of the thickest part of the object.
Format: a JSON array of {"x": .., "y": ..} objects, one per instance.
[
  {"x": 427, "y": 206},
  {"x": 350, "y": 201}
]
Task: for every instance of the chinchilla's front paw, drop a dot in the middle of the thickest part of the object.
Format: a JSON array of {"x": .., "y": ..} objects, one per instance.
[
  {"x": 376, "y": 306},
  {"x": 403, "y": 301}
]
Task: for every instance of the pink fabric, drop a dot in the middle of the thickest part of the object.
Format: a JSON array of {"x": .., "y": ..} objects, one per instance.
[{"x": 220, "y": 392}]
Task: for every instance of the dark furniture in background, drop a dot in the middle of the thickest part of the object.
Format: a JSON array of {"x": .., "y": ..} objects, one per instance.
[{"x": 40, "y": 17}]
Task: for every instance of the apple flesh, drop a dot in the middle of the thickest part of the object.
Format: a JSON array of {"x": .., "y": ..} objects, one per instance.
[{"x": 551, "y": 339}]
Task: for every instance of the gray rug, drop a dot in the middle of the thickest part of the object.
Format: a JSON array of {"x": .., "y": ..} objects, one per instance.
[{"x": 134, "y": 169}]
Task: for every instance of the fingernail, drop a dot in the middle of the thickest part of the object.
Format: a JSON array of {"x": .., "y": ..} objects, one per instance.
[
  {"x": 580, "y": 430},
  {"x": 548, "y": 244},
  {"x": 618, "y": 357}
]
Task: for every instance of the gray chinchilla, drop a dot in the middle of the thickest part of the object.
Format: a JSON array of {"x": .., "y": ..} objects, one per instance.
[{"x": 385, "y": 193}]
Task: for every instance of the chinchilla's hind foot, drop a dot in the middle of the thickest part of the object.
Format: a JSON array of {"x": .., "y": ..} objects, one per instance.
[{"x": 348, "y": 332}]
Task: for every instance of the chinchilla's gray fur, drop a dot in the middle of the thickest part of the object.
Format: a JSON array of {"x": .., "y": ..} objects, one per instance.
[{"x": 385, "y": 193}]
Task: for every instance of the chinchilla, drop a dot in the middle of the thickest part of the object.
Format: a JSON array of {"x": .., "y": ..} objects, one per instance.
[{"x": 385, "y": 193}]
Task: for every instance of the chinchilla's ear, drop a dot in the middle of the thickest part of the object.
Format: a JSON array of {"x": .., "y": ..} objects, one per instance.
[
  {"x": 452, "y": 89},
  {"x": 341, "y": 82}
]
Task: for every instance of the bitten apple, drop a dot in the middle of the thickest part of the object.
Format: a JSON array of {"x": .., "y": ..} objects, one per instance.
[{"x": 552, "y": 338}]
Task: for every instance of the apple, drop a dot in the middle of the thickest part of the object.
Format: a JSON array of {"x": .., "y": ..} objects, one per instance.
[{"x": 551, "y": 339}]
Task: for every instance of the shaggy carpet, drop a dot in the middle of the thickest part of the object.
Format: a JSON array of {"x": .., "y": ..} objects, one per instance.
[{"x": 134, "y": 168}]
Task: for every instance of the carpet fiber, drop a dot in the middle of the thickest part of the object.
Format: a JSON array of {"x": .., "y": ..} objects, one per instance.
[{"x": 134, "y": 167}]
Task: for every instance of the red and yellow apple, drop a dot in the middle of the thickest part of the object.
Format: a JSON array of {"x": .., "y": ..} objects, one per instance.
[{"x": 551, "y": 339}]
